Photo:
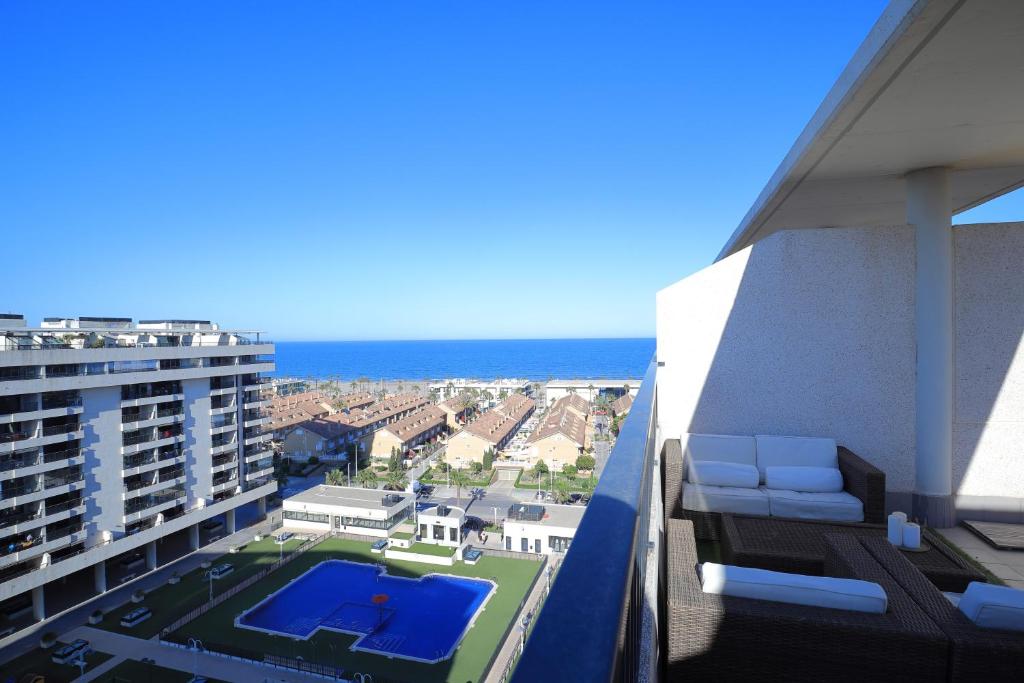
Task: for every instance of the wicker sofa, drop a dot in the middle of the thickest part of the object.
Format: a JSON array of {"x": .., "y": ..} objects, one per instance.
[
  {"x": 728, "y": 638},
  {"x": 860, "y": 478},
  {"x": 976, "y": 654}
]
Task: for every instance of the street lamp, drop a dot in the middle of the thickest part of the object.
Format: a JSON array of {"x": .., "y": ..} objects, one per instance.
[{"x": 195, "y": 645}]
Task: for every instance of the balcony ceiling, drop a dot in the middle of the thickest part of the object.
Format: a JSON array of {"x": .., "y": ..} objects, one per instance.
[{"x": 935, "y": 83}]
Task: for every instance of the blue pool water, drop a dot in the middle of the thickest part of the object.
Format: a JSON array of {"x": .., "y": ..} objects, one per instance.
[{"x": 423, "y": 619}]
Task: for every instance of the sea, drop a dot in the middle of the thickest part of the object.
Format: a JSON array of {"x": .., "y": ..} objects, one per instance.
[{"x": 533, "y": 359}]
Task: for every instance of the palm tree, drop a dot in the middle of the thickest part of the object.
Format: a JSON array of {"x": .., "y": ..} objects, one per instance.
[
  {"x": 353, "y": 385},
  {"x": 396, "y": 481},
  {"x": 335, "y": 478},
  {"x": 367, "y": 479},
  {"x": 458, "y": 480},
  {"x": 591, "y": 388}
]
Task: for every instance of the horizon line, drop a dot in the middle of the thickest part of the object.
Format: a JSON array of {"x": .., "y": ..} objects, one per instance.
[{"x": 459, "y": 339}]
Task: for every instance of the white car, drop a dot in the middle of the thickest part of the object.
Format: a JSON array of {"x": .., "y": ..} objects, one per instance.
[{"x": 71, "y": 651}]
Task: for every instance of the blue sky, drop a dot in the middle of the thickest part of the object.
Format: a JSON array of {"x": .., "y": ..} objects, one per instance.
[{"x": 403, "y": 170}]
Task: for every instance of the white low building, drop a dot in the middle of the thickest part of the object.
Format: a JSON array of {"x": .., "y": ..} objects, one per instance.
[
  {"x": 543, "y": 529},
  {"x": 370, "y": 512},
  {"x": 497, "y": 388},
  {"x": 441, "y": 525},
  {"x": 589, "y": 389}
]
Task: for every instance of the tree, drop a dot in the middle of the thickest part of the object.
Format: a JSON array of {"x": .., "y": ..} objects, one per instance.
[
  {"x": 591, "y": 388},
  {"x": 280, "y": 471},
  {"x": 396, "y": 481},
  {"x": 335, "y": 478},
  {"x": 503, "y": 394},
  {"x": 569, "y": 471},
  {"x": 458, "y": 480},
  {"x": 353, "y": 385},
  {"x": 561, "y": 492},
  {"x": 585, "y": 462},
  {"x": 476, "y": 468},
  {"x": 395, "y": 462},
  {"x": 367, "y": 479},
  {"x": 488, "y": 458},
  {"x": 540, "y": 468}
]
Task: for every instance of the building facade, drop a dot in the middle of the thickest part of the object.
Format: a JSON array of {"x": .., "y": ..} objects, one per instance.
[
  {"x": 114, "y": 435},
  {"x": 541, "y": 529},
  {"x": 420, "y": 426},
  {"x": 369, "y": 512},
  {"x": 492, "y": 430}
]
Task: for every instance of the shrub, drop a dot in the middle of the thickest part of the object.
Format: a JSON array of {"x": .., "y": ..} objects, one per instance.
[
  {"x": 569, "y": 471},
  {"x": 488, "y": 459},
  {"x": 476, "y": 467},
  {"x": 585, "y": 462},
  {"x": 540, "y": 468}
]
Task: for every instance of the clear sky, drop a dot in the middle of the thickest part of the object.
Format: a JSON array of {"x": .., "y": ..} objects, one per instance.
[{"x": 396, "y": 170}]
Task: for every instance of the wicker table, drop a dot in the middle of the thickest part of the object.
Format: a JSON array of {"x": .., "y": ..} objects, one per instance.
[{"x": 798, "y": 546}]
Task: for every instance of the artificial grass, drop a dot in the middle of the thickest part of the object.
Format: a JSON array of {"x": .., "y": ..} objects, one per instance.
[
  {"x": 574, "y": 484},
  {"x": 402, "y": 535},
  {"x": 435, "y": 477},
  {"x": 130, "y": 671},
  {"x": 514, "y": 578},
  {"x": 38, "y": 662},
  {"x": 428, "y": 549},
  {"x": 171, "y": 601}
]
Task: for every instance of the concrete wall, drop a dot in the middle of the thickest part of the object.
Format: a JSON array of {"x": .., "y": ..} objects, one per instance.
[
  {"x": 807, "y": 332},
  {"x": 988, "y": 408},
  {"x": 198, "y": 461},
  {"x": 556, "y": 451},
  {"x": 104, "y": 503}
]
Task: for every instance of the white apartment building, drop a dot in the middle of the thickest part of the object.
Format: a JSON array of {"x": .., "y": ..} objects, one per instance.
[
  {"x": 114, "y": 436},
  {"x": 497, "y": 388}
]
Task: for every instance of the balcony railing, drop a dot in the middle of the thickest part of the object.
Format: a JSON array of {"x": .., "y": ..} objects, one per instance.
[
  {"x": 138, "y": 460},
  {"x": 614, "y": 556},
  {"x": 65, "y": 428},
  {"x": 54, "y": 456},
  {"x": 128, "y": 344},
  {"x": 62, "y": 480},
  {"x": 51, "y": 403},
  {"x": 17, "y": 463},
  {"x": 24, "y": 489}
]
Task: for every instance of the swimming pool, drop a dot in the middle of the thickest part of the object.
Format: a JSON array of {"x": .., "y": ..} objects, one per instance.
[{"x": 423, "y": 619}]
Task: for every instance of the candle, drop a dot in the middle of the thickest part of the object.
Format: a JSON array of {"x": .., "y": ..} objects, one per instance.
[
  {"x": 911, "y": 535},
  {"x": 902, "y": 516},
  {"x": 895, "y": 530}
]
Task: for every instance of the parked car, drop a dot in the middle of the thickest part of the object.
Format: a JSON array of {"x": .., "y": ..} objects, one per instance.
[
  {"x": 221, "y": 570},
  {"x": 71, "y": 651},
  {"x": 136, "y": 616},
  {"x": 283, "y": 537}
]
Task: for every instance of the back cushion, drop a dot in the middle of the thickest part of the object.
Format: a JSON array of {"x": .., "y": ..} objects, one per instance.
[
  {"x": 809, "y": 479},
  {"x": 720, "y": 448},
  {"x": 717, "y": 473},
  {"x": 991, "y": 606},
  {"x": 795, "y": 451}
]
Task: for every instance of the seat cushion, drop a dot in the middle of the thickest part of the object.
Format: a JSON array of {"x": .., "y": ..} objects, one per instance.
[
  {"x": 795, "y": 451},
  {"x": 991, "y": 606},
  {"x": 719, "y": 447},
  {"x": 703, "y": 498},
  {"x": 831, "y": 507},
  {"x": 715, "y": 473},
  {"x": 813, "y": 479},
  {"x": 796, "y": 589}
]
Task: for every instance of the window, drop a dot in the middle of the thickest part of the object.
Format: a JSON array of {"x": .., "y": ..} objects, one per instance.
[
  {"x": 536, "y": 546},
  {"x": 525, "y": 544},
  {"x": 300, "y": 516},
  {"x": 438, "y": 532},
  {"x": 453, "y": 534},
  {"x": 508, "y": 543},
  {"x": 559, "y": 543},
  {"x": 423, "y": 530}
]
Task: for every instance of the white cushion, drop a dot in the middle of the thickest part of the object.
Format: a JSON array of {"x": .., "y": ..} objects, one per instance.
[
  {"x": 796, "y": 589},
  {"x": 811, "y": 479},
  {"x": 991, "y": 606},
  {"x": 832, "y": 507},
  {"x": 721, "y": 448},
  {"x": 714, "y": 473},
  {"x": 795, "y": 451},
  {"x": 725, "y": 499}
]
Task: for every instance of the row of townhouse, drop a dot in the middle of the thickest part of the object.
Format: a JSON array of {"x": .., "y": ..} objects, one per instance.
[
  {"x": 492, "y": 430},
  {"x": 562, "y": 434}
]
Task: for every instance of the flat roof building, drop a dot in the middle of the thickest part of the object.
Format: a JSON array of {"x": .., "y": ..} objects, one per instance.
[
  {"x": 369, "y": 512},
  {"x": 540, "y": 529}
]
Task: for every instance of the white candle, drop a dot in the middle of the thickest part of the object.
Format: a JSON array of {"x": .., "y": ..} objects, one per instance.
[
  {"x": 902, "y": 516},
  {"x": 895, "y": 531},
  {"x": 911, "y": 535}
]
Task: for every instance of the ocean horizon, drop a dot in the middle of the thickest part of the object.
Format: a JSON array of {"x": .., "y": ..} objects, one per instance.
[{"x": 533, "y": 359}]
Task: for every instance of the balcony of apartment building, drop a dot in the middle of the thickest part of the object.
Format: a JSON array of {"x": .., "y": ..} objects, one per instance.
[
  {"x": 220, "y": 361},
  {"x": 223, "y": 386},
  {"x": 137, "y": 417},
  {"x": 256, "y": 435},
  {"x": 151, "y": 504},
  {"x": 224, "y": 443},
  {"x": 224, "y": 461},
  {"x": 151, "y": 437},
  {"x": 133, "y": 395},
  {"x": 223, "y": 423},
  {"x": 259, "y": 470},
  {"x": 224, "y": 481},
  {"x": 226, "y": 403},
  {"x": 255, "y": 400},
  {"x": 39, "y": 460},
  {"x": 255, "y": 383},
  {"x": 253, "y": 417},
  {"x": 23, "y": 407}
]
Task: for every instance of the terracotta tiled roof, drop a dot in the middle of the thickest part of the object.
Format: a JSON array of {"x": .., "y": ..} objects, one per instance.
[
  {"x": 564, "y": 418},
  {"x": 497, "y": 423},
  {"x": 416, "y": 423}
]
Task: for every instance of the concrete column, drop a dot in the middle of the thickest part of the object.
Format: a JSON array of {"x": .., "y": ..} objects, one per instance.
[
  {"x": 229, "y": 521},
  {"x": 99, "y": 572},
  {"x": 38, "y": 603},
  {"x": 151, "y": 555},
  {"x": 261, "y": 506},
  {"x": 929, "y": 210},
  {"x": 193, "y": 537}
]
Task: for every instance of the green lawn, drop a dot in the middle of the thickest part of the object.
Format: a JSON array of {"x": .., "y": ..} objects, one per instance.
[
  {"x": 429, "y": 549},
  {"x": 171, "y": 601},
  {"x": 576, "y": 484},
  {"x": 38, "y": 662},
  {"x": 402, "y": 535},
  {"x": 512, "y": 576},
  {"x": 130, "y": 671},
  {"x": 435, "y": 477}
]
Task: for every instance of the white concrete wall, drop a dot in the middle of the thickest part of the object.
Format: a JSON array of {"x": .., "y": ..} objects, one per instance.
[
  {"x": 988, "y": 408},
  {"x": 808, "y": 332},
  {"x": 198, "y": 461},
  {"x": 104, "y": 487}
]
